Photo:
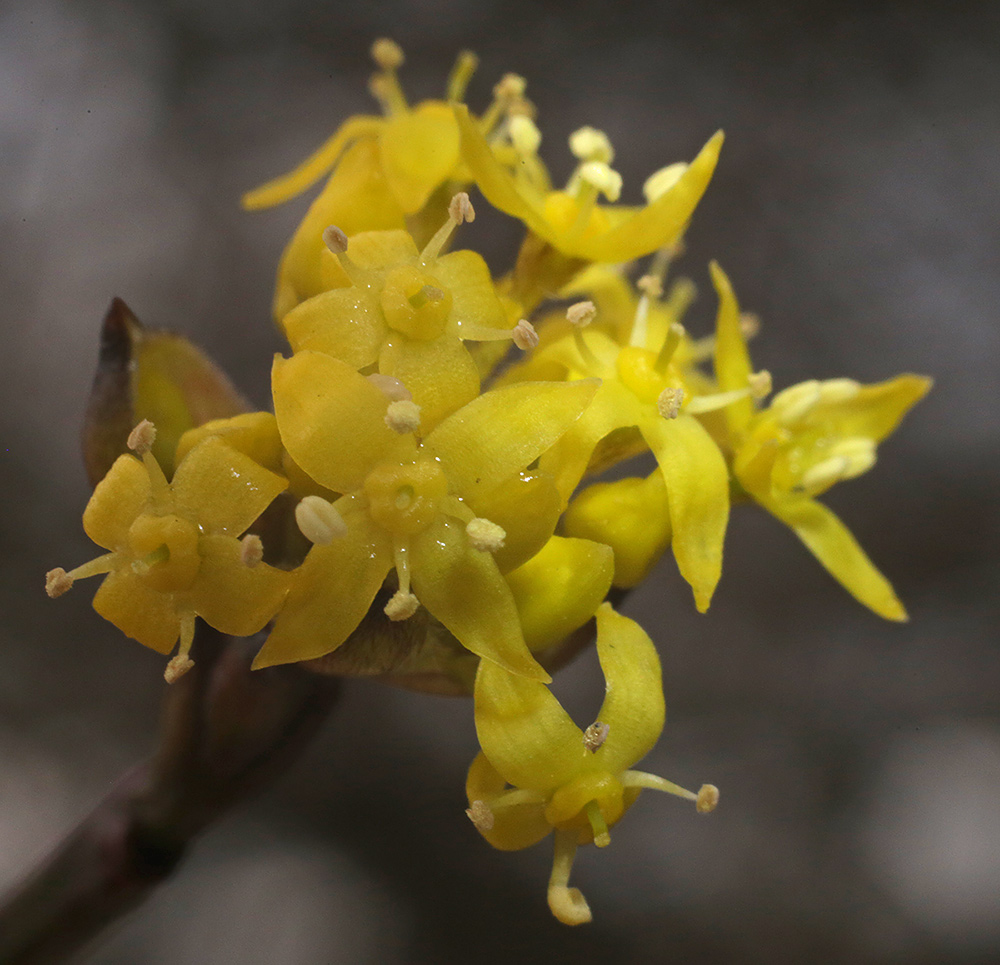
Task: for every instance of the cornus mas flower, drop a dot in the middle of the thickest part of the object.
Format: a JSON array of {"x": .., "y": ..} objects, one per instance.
[
  {"x": 811, "y": 436},
  {"x": 386, "y": 172},
  {"x": 173, "y": 547},
  {"x": 407, "y": 312},
  {"x": 572, "y": 221},
  {"x": 435, "y": 508},
  {"x": 539, "y": 772}
]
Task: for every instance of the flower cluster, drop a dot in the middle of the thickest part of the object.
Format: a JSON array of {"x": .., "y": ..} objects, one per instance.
[{"x": 419, "y": 502}]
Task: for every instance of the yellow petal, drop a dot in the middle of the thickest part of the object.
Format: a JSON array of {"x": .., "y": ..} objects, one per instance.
[
  {"x": 876, "y": 410},
  {"x": 331, "y": 592},
  {"x": 345, "y": 323},
  {"x": 698, "y": 495},
  {"x": 524, "y": 731},
  {"x": 463, "y": 588},
  {"x": 503, "y": 431},
  {"x": 659, "y": 223},
  {"x": 732, "y": 360},
  {"x": 475, "y": 304},
  {"x": 633, "y": 708},
  {"x": 440, "y": 374},
  {"x": 379, "y": 250},
  {"x": 138, "y": 611},
  {"x": 253, "y": 433},
  {"x": 559, "y": 588},
  {"x": 419, "y": 151},
  {"x": 222, "y": 489},
  {"x": 229, "y": 595},
  {"x": 332, "y": 420},
  {"x": 514, "y": 828},
  {"x": 313, "y": 167},
  {"x": 831, "y": 542},
  {"x": 118, "y": 498}
]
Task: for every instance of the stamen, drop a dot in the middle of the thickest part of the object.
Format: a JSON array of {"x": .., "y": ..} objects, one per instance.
[
  {"x": 581, "y": 314},
  {"x": 403, "y": 416},
  {"x": 668, "y": 403},
  {"x": 335, "y": 239},
  {"x": 602, "y": 177},
  {"x": 401, "y": 606},
  {"x": 480, "y": 815},
  {"x": 319, "y": 520},
  {"x": 705, "y": 800},
  {"x": 251, "y": 550},
  {"x": 675, "y": 333},
  {"x": 650, "y": 286},
  {"x": 749, "y": 325},
  {"x": 595, "y": 735},
  {"x": 57, "y": 582},
  {"x": 465, "y": 66},
  {"x": 660, "y": 182},
  {"x": 708, "y": 799},
  {"x": 485, "y": 536},
  {"x": 590, "y": 144},
  {"x": 459, "y": 210},
  {"x": 142, "y": 437},
  {"x": 598, "y": 825},
  {"x": 760, "y": 384},
  {"x": 387, "y": 54},
  {"x": 524, "y": 335},
  {"x": 524, "y": 135},
  {"x": 567, "y": 904},
  {"x": 391, "y": 387},
  {"x": 716, "y": 400},
  {"x": 182, "y": 663}
]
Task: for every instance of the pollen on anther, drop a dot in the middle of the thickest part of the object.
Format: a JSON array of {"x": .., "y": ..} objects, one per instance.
[
  {"x": 460, "y": 209},
  {"x": 177, "y": 667},
  {"x": 401, "y": 606},
  {"x": 708, "y": 798},
  {"x": 595, "y": 735},
  {"x": 524, "y": 335},
  {"x": 391, "y": 387},
  {"x": 510, "y": 88},
  {"x": 581, "y": 314},
  {"x": 335, "y": 239},
  {"x": 650, "y": 285},
  {"x": 403, "y": 416},
  {"x": 485, "y": 536},
  {"x": 760, "y": 384},
  {"x": 142, "y": 437},
  {"x": 669, "y": 402},
  {"x": 387, "y": 54},
  {"x": 251, "y": 550},
  {"x": 57, "y": 582},
  {"x": 319, "y": 520},
  {"x": 749, "y": 325},
  {"x": 480, "y": 815}
]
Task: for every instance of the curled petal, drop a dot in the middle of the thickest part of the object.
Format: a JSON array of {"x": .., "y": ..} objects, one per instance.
[
  {"x": 876, "y": 410},
  {"x": 732, "y": 360},
  {"x": 140, "y": 612},
  {"x": 515, "y": 827}
]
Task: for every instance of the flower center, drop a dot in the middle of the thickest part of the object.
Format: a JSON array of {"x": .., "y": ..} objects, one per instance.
[
  {"x": 403, "y": 499},
  {"x": 166, "y": 551},
  {"x": 567, "y": 808},
  {"x": 414, "y": 303},
  {"x": 637, "y": 370}
]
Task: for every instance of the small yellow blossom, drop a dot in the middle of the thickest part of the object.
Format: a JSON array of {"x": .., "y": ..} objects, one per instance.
[
  {"x": 538, "y": 771},
  {"x": 811, "y": 436},
  {"x": 174, "y": 551},
  {"x": 408, "y": 505},
  {"x": 572, "y": 221}
]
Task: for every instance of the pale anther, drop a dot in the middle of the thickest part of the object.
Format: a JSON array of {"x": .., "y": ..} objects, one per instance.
[
  {"x": 387, "y": 54},
  {"x": 595, "y": 735},
  {"x": 401, "y": 606},
  {"x": 484, "y": 535},
  {"x": 606, "y": 179},
  {"x": 524, "y": 135},
  {"x": 749, "y": 325},
  {"x": 590, "y": 144},
  {"x": 460, "y": 209},
  {"x": 660, "y": 182},
  {"x": 319, "y": 520},
  {"x": 57, "y": 582},
  {"x": 708, "y": 798},
  {"x": 650, "y": 286},
  {"x": 480, "y": 815},
  {"x": 510, "y": 88},
  {"x": 177, "y": 667},
  {"x": 142, "y": 437},
  {"x": 668, "y": 404},
  {"x": 524, "y": 335},
  {"x": 251, "y": 550},
  {"x": 581, "y": 314},
  {"x": 391, "y": 387},
  {"x": 335, "y": 239},
  {"x": 403, "y": 416},
  {"x": 760, "y": 384}
]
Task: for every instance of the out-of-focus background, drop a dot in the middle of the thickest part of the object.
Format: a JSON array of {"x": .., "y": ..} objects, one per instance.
[{"x": 856, "y": 210}]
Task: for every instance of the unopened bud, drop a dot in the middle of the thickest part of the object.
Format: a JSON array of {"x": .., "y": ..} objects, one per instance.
[{"x": 319, "y": 520}]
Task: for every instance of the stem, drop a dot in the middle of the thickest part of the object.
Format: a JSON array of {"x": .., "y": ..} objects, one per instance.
[{"x": 226, "y": 734}]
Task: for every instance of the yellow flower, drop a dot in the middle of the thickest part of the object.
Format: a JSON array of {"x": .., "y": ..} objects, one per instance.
[
  {"x": 572, "y": 221},
  {"x": 811, "y": 436},
  {"x": 646, "y": 386},
  {"x": 538, "y": 771},
  {"x": 407, "y": 311},
  {"x": 173, "y": 547},
  {"x": 437, "y": 509}
]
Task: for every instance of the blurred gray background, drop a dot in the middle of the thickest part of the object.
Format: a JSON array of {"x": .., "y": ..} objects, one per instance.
[{"x": 856, "y": 210}]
